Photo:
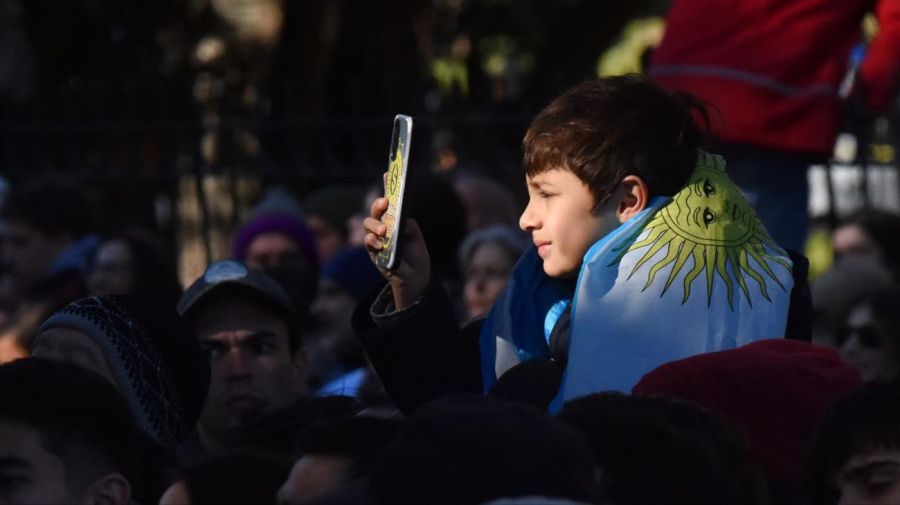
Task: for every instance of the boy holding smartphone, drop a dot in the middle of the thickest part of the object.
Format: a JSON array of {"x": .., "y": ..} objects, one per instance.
[{"x": 644, "y": 253}]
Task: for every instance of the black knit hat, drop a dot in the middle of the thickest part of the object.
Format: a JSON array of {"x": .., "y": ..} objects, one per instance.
[{"x": 156, "y": 361}]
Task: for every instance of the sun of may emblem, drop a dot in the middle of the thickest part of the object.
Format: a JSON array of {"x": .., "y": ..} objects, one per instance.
[
  {"x": 392, "y": 191},
  {"x": 710, "y": 222}
]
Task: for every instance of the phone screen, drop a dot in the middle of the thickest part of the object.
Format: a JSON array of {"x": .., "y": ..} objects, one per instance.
[{"x": 394, "y": 186}]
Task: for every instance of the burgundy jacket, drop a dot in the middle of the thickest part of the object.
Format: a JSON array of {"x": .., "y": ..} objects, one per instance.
[{"x": 771, "y": 69}]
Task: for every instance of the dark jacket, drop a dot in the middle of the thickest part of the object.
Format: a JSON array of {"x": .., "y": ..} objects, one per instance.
[{"x": 421, "y": 353}]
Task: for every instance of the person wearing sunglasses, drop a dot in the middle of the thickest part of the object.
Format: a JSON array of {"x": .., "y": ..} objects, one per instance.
[{"x": 871, "y": 337}]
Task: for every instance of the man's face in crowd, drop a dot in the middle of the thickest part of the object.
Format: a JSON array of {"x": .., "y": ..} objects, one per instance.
[
  {"x": 865, "y": 347},
  {"x": 113, "y": 270},
  {"x": 28, "y": 254},
  {"x": 854, "y": 240},
  {"x": 486, "y": 277},
  {"x": 561, "y": 219},
  {"x": 252, "y": 369},
  {"x": 872, "y": 477},
  {"x": 29, "y": 473},
  {"x": 270, "y": 250}
]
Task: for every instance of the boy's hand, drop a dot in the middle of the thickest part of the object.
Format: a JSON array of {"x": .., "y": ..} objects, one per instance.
[{"x": 410, "y": 277}]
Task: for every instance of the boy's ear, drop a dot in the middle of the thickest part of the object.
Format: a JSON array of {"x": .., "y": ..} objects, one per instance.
[
  {"x": 634, "y": 197},
  {"x": 111, "y": 489}
]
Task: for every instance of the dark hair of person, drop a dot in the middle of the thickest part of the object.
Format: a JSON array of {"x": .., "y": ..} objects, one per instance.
[
  {"x": 234, "y": 478},
  {"x": 284, "y": 431},
  {"x": 473, "y": 449},
  {"x": 606, "y": 129},
  {"x": 153, "y": 267},
  {"x": 865, "y": 419},
  {"x": 360, "y": 439},
  {"x": 883, "y": 228},
  {"x": 53, "y": 207},
  {"x": 77, "y": 414},
  {"x": 659, "y": 450}
]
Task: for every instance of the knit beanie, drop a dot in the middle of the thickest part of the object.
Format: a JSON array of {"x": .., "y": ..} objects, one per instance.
[
  {"x": 290, "y": 225},
  {"x": 155, "y": 359}
]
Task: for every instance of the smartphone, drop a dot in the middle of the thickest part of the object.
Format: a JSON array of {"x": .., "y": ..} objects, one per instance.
[{"x": 394, "y": 185}]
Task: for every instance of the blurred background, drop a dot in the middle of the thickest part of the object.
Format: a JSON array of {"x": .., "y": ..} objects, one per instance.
[
  {"x": 144, "y": 100},
  {"x": 176, "y": 114}
]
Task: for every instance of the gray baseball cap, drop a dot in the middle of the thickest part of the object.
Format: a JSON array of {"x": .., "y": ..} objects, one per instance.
[{"x": 234, "y": 274}]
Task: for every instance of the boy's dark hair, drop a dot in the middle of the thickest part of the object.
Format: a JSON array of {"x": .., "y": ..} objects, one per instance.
[
  {"x": 53, "y": 207},
  {"x": 659, "y": 450},
  {"x": 866, "y": 419},
  {"x": 77, "y": 414},
  {"x": 606, "y": 129}
]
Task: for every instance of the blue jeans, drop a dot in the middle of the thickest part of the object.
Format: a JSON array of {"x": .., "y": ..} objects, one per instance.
[{"x": 775, "y": 184}]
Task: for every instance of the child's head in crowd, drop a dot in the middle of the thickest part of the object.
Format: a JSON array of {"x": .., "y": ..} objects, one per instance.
[{"x": 595, "y": 157}]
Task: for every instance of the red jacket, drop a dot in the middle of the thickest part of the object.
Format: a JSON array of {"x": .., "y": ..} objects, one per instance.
[{"x": 770, "y": 69}]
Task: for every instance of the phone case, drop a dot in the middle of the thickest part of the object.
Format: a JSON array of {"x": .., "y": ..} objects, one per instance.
[{"x": 394, "y": 187}]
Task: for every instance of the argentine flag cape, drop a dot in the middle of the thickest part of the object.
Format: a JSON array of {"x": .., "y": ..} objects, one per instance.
[{"x": 690, "y": 274}]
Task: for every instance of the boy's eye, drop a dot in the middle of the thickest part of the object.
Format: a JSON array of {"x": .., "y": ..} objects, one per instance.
[{"x": 544, "y": 194}]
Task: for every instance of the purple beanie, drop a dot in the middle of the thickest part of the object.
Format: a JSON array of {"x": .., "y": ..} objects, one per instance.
[{"x": 289, "y": 225}]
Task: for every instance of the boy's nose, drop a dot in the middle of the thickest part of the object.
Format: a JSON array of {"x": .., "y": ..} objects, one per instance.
[{"x": 528, "y": 221}]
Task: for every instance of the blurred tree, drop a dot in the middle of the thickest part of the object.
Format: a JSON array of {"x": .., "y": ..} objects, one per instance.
[
  {"x": 96, "y": 56},
  {"x": 149, "y": 92}
]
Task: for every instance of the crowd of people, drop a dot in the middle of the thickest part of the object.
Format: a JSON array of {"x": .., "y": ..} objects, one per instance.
[{"x": 632, "y": 334}]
